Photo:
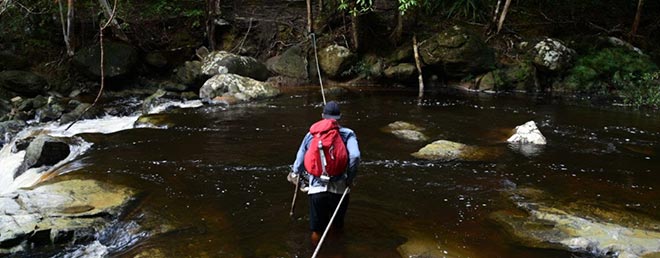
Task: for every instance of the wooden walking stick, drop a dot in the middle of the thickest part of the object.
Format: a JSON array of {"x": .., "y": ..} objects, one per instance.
[{"x": 295, "y": 194}]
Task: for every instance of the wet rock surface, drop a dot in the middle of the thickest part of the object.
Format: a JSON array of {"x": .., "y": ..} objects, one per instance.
[
  {"x": 542, "y": 222},
  {"x": 60, "y": 213},
  {"x": 444, "y": 150},
  {"x": 222, "y": 62},
  {"x": 406, "y": 131},
  {"x": 239, "y": 87}
]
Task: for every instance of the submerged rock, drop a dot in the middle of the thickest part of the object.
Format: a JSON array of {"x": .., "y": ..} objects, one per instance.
[
  {"x": 406, "y": 131},
  {"x": 239, "y": 87},
  {"x": 427, "y": 246},
  {"x": 59, "y": 213},
  {"x": 543, "y": 223},
  {"x": 444, "y": 150}
]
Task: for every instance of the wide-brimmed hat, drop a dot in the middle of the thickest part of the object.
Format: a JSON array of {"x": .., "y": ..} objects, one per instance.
[{"x": 331, "y": 111}]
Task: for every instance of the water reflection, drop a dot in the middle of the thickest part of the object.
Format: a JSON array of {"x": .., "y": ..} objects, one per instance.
[{"x": 216, "y": 178}]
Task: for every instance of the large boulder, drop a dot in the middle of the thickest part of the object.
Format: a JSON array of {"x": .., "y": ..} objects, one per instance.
[
  {"x": 400, "y": 72},
  {"x": 190, "y": 73},
  {"x": 22, "y": 83},
  {"x": 552, "y": 55},
  {"x": 292, "y": 63},
  {"x": 543, "y": 222},
  {"x": 458, "y": 52},
  {"x": 120, "y": 59},
  {"x": 527, "y": 133},
  {"x": 10, "y": 61},
  {"x": 9, "y": 128},
  {"x": 44, "y": 150},
  {"x": 222, "y": 62},
  {"x": 58, "y": 214},
  {"x": 519, "y": 76},
  {"x": 236, "y": 86},
  {"x": 334, "y": 60},
  {"x": 444, "y": 150}
]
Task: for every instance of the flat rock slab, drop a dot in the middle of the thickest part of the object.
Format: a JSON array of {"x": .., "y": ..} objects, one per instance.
[{"x": 58, "y": 213}]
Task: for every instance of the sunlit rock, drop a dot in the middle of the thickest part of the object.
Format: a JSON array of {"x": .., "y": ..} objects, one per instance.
[
  {"x": 58, "y": 213},
  {"x": 242, "y": 88},
  {"x": 222, "y": 62},
  {"x": 406, "y": 131},
  {"x": 552, "y": 55},
  {"x": 527, "y": 133},
  {"x": 154, "y": 120},
  {"x": 543, "y": 222},
  {"x": 444, "y": 150}
]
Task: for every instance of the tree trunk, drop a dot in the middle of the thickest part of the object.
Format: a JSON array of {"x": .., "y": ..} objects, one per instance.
[
  {"x": 320, "y": 6},
  {"x": 115, "y": 25},
  {"x": 420, "y": 78},
  {"x": 398, "y": 30},
  {"x": 309, "y": 17},
  {"x": 67, "y": 26},
  {"x": 638, "y": 15},
  {"x": 212, "y": 13},
  {"x": 355, "y": 26},
  {"x": 503, "y": 16}
]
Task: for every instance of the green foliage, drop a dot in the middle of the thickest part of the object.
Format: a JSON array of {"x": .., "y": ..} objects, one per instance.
[
  {"x": 640, "y": 91},
  {"x": 355, "y": 7},
  {"x": 596, "y": 72},
  {"x": 465, "y": 9}
]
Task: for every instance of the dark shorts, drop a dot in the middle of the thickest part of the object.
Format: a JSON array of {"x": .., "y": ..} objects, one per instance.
[{"x": 321, "y": 208}]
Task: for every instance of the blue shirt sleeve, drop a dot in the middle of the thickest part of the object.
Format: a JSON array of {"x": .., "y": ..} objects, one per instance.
[
  {"x": 298, "y": 164},
  {"x": 353, "y": 151}
]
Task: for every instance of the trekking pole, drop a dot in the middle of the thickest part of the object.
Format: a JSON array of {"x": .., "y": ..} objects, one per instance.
[
  {"x": 318, "y": 247},
  {"x": 295, "y": 194}
]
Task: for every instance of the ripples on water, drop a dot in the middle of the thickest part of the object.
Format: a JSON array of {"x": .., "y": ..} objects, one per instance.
[{"x": 216, "y": 178}]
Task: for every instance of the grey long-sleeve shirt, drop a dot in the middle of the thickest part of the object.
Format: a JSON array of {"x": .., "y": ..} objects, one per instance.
[{"x": 335, "y": 185}]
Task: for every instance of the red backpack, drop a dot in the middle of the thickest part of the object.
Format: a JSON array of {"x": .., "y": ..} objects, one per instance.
[{"x": 334, "y": 154}]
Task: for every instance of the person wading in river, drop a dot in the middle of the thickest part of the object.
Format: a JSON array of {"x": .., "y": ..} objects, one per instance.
[{"x": 327, "y": 186}]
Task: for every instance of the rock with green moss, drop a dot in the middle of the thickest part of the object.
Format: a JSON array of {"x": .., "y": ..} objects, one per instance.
[
  {"x": 520, "y": 76},
  {"x": 598, "y": 71},
  {"x": 458, "y": 52},
  {"x": 400, "y": 72},
  {"x": 292, "y": 63},
  {"x": 334, "y": 60},
  {"x": 444, "y": 150},
  {"x": 190, "y": 74}
]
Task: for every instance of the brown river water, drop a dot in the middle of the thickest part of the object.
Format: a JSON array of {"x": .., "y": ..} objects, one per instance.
[{"x": 213, "y": 183}]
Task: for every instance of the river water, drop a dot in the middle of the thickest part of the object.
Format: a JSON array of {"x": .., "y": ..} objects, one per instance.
[{"x": 213, "y": 182}]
